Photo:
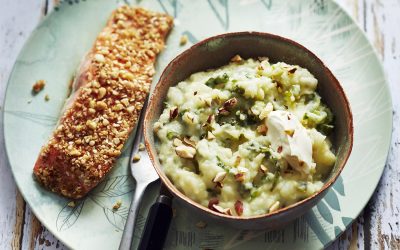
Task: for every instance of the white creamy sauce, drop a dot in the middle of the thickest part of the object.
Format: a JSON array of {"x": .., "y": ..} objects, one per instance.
[
  {"x": 286, "y": 131},
  {"x": 246, "y": 138}
]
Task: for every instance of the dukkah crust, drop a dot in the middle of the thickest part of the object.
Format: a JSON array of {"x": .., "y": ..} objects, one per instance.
[{"x": 110, "y": 89}]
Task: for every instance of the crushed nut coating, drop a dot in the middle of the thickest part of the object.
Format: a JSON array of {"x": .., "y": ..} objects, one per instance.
[{"x": 110, "y": 89}]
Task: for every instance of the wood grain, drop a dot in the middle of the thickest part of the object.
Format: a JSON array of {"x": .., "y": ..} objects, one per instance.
[
  {"x": 376, "y": 228},
  {"x": 16, "y": 242}
]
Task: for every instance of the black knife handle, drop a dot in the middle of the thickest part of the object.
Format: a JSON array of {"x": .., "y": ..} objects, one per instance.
[{"x": 157, "y": 224}]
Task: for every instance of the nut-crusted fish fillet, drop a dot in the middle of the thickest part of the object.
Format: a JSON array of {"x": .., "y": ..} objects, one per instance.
[{"x": 110, "y": 88}]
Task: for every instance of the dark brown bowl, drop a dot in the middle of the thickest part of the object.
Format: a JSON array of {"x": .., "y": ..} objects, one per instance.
[{"x": 217, "y": 51}]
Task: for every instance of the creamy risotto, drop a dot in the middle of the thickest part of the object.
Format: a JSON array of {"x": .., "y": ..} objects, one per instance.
[{"x": 247, "y": 138}]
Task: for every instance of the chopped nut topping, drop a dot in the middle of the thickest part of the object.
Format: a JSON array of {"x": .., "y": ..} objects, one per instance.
[
  {"x": 274, "y": 207},
  {"x": 91, "y": 124},
  {"x": 183, "y": 40},
  {"x": 280, "y": 148},
  {"x": 223, "y": 111},
  {"x": 130, "y": 109},
  {"x": 99, "y": 58},
  {"x": 38, "y": 86},
  {"x": 102, "y": 92},
  {"x": 265, "y": 112},
  {"x": 185, "y": 151},
  {"x": 157, "y": 126},
  {"x": 263, "y": 169},
  {"x": 289, "y": 132},
  {"x": 105, "y": 122},
  {"x": 116, "y": 141},
  {"x": 189, "y": 142},
  {"x": 239, "y": 207},
  {"x": 74, "y": 152},
  {"x": 222, "y": 210},
  {"x": 125, "y": 101},
  {"x": 71, "y": 204},
  {"x": 239, "y": 177},
  {"x": 177, "y": 142},
  {"x": 219, "y": 177},
  {"x": 117, "y": 205},
  {"x": 136, "y": 158},
  {"x": 237, "y": 160},
  {"x": 210, "y": 118},
  {"x": 212, "y": 202},
  {"x": 237, "y": 58},
  {"x": 112, "y": 92},
  {"x": 210, "y": 136},
  {"x": 118, "y": 107},
  {"x": 173, "y": 113},
  {"x": 231, "y": 103},
  {"x": 219, "y": 184},
  {"x": 208, "y": 101},
  {"x": 262, "y": 129}
]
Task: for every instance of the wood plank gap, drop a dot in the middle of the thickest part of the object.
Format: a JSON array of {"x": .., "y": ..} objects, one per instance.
[
  {"x": 35, "y": 233},
  {"x": 353, "y": 242},
  {"x": 367, "y": 226},
  {"x": 16, "y": 243}
]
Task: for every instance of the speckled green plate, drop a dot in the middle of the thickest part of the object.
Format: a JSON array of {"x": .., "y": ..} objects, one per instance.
[{"x": 53, "y": 53}]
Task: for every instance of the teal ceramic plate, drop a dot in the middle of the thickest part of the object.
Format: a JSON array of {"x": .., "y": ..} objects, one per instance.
[{"x": 53, "y": 53}]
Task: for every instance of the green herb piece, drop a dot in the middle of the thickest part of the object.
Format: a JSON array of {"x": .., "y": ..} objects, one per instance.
[
  {"x": 183, "y": 112},
  {"x": 217, "y": 80},
  {"x": 309, "y": 97},
  {"x": 221, "y": 164},
  {"x": 238, "y": 90},
  {"x": 276, "y": 179},
  {"x": 244, "y": 193},
  {"x": 325, "y": 129},
  {"x": 254, "y": 193},
  {"x": 171, "y": 135}
]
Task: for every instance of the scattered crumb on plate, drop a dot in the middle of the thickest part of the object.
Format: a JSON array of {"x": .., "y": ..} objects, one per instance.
[
  {"x": 71, "y": 204},
  {"x": 136, "y": 158},
  {"x": 183, "y": 40},
  {"x": 38, "y": 86},
  {"x": 46, "y": 97},
  {"x": 117, "y": 205}
]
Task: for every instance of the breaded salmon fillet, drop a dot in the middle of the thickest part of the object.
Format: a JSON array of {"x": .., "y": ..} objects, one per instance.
[{"x": 110, "y": 88}]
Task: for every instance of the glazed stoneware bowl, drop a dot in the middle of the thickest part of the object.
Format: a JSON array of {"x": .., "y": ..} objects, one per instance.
[{"x": 217, "y": 51}]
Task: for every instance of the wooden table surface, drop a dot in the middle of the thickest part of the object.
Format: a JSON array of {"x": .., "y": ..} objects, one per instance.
[{"x": 376, "y": 228}]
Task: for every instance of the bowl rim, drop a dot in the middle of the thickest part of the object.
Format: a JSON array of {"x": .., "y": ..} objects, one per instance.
[{"x": 157, "y": 91}]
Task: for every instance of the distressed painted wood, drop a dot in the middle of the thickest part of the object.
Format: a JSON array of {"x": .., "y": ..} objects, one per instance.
[{"x": 376, "y": 228}]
